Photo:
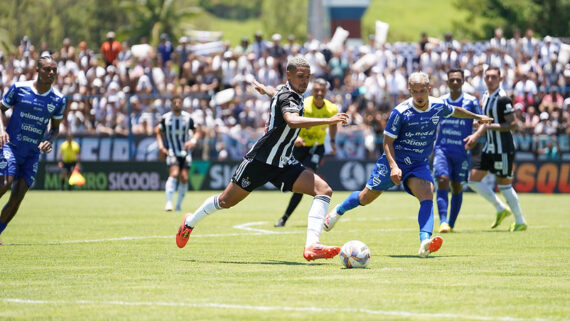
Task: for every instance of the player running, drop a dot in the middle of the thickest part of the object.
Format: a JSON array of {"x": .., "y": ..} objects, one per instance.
[
  {"x": 271, "y": 160},
  {"x": 408, "y": 141},
  {"x": 498, "y": 153},
  {"x": 176, "y": 135},
  {"x": 452, "y": 158},
  {"x": 34, "y": 104}
]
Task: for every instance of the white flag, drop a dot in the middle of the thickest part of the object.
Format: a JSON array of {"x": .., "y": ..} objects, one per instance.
[
  {"x": 381, "y": 32},
  {"x": 338, "y": 38}
]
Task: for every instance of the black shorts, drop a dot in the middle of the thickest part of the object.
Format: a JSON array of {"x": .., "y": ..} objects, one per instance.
[
  {"x": 68, "y": 167},
  {"x": 181, "y": 162},
  {"x": 498, "y": 164},
  {"x": 309, "y": 156},
  {"x": 252, "y": 173}
]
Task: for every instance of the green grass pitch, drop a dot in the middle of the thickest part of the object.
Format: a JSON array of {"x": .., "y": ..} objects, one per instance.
[{"x": 112, "y": 256}]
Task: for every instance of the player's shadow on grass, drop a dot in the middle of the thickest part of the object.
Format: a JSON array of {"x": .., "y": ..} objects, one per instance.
[{"x": 270, "y": 262}]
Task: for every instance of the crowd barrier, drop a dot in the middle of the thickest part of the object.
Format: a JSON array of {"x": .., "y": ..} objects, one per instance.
[{"x": 342, "y": 175}]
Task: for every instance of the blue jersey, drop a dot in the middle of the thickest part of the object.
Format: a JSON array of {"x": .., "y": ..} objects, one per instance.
[
  {"x": 453, "y": 130},
  {"x": 414, "y": 130},
  {"x": 31, "y": 112}
]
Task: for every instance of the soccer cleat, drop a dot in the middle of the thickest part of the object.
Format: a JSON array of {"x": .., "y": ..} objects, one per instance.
[
  {"x": 168, "y": 206},
  {"x": 444, "y": 228},
  {"x": 500, "y": 217},
  {"x": 429, "y": 246},
  {"x": 183, "y": 232},
  {"x": 330, "y": 219},
  {"x": 518, "y": 227},
  {"x": 280, "y": 223},
  {"x": 319, "y": 251}
]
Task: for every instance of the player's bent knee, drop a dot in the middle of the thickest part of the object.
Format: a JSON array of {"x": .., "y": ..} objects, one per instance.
[{"x": 323, "y": 189}]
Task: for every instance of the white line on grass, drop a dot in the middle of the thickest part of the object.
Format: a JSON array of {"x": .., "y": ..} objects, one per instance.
[{"x": 271, "y": 308}]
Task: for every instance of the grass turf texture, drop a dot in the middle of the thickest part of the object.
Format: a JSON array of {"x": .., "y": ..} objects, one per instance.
[{"x": 64, "y": 259}]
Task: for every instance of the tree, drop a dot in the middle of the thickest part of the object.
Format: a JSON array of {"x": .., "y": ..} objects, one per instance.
[
  {"x": 285, "y": 17},
  {"x": 545, "y": 17},
  {"x": 153, "y": 17}
]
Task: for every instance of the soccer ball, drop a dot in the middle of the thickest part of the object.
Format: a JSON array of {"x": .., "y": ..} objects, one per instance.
[{"x": 354, "y": 254}]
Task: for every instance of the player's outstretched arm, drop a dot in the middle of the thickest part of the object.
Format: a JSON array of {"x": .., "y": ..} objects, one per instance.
[
  {"x": 295, "y": 120},
  {"x": 262, "y": 89},
  {"x": 509, "y": 124},
  {"x": 463, "y": 113}
]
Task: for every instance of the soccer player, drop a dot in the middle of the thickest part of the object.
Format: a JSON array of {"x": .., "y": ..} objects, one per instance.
[
  {"x": 452, "y": 159},
  {"x": 408, "y": 141},
  {"x": 310, "y": 145},
  {"x": 68, "y": 158},
  {"x": 34, "y": 104},
  {"x": 176, "y": 135},
  {"x": 499, "y": 151},
  {"x": 271, "y": 160}
]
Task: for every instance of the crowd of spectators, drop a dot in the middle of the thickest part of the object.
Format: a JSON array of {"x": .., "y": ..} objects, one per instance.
[{"x": 119, "y": 88}]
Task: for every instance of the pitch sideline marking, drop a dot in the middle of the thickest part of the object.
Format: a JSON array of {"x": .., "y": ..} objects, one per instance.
[{"x": 268, "y": 308}]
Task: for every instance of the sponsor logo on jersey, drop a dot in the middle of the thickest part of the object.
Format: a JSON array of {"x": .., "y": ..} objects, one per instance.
[{"x": 408, "y": 161}]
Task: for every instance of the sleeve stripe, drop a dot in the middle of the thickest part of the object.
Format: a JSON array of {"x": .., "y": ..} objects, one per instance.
[{"x": 387, "y": 133}]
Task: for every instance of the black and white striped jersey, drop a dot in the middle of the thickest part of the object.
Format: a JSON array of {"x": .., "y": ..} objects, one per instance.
[
  {"x": 497, "y": 105},
  {"x": 275, "y": 147},
  {"x": 176, "y": 131}
]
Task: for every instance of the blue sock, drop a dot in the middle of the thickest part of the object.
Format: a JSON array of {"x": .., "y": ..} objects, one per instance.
[
  {"x": 456, "y": 200},
  {"x": 349, "y": 203},
  {"x": 442, "y": 201},
  {"x": 2, "y": 227},
  {"x": 425, "y": 219}
]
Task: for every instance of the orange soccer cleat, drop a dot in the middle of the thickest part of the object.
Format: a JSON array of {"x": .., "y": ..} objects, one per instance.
[
  {"x": 183, "y": 233},
  {"x": 319, "y": 251}
]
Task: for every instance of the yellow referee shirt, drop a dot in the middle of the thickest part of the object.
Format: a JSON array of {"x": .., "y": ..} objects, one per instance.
[
  {"x": 69, "y": 151},
  {"x": 316, "y": 134}
]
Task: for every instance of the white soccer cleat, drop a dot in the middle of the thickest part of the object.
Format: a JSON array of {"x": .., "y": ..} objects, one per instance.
[
  {"x": 168, "y": 206},
  {"x": 430, "y": 245},
  {"x": 330, "y": 219}
]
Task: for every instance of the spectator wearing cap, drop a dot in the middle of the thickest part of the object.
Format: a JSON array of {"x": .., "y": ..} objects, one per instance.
[
  {"x": 259, "y": 47},
  {"x": 279, "y": 54},
  {"x": 291, "y": 47},
  {"x": 547, "y": 48},
  {"x": 165, "y": 50},
  {"x": 110, "y": 48},
  {"x": 544, "y": 127},
  {"x": 181, "y": 53}
]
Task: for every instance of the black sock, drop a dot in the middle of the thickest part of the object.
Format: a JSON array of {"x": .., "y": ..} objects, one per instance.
[{"x": 293, "y": 203}]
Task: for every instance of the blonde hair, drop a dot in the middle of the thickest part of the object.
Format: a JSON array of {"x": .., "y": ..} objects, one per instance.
[
  {"x": 418, "y": 77},
  {"x": 296, "y": 62}
]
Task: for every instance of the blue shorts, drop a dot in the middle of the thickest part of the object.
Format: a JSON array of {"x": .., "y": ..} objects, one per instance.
[
  {"x": 452, "y": 165},
  {"x": 380, "y": 177},
  {"x": 18, "y": 166}
]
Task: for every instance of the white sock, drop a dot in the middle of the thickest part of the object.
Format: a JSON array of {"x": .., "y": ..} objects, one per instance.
[
  {"x": 487, "y": 193},
  {"x": 182, "y": 189},
  {"x": 316, "y": 217},
  {"x": 209, "y": 206},
  {"x": 169, "y": 187},
  {"x": 512, "y": 199}
]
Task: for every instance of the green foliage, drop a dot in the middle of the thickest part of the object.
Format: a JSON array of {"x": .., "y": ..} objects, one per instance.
[
  {"x": 112, "y": 256},
  {"x": 284, "y": 17},
  {"x": 233, "y": 9},
  {"x": 545, "y": 17}
]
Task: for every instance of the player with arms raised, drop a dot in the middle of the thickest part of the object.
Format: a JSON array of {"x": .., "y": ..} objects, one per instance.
[
  {"x": 34, "y": 104},
  {"x": 408, "y": 141}
]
